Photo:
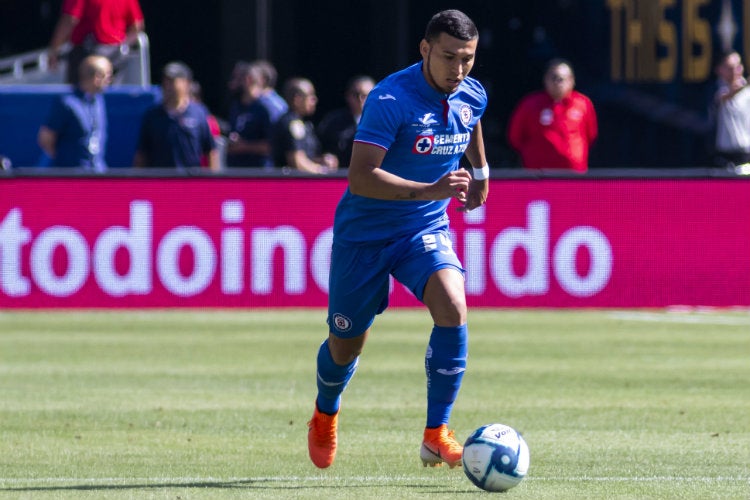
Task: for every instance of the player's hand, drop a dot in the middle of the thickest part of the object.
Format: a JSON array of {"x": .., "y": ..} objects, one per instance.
[
  {"x": 452, "y": 185},
  {"x": 476, "y": 196}
]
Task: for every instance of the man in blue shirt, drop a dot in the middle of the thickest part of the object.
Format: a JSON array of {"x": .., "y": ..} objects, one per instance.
[
  {"x": 75, "y": 134},
  {"x": 392, "y": 220},
  {"x": 253, "y": 115},
  {"x": 176, "y": 133}
]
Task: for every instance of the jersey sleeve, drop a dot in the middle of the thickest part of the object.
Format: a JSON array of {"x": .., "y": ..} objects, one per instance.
[{"x": 381, "y": 118}]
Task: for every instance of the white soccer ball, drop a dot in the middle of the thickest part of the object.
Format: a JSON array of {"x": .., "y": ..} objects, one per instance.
[{"x": 496, "y": 457}]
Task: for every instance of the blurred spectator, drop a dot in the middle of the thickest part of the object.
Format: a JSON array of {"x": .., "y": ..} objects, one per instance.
[
  {"x": 5, "y": 163},
  {"x": 234, "y": 84},
  {"x": 196, "y": 94},
  {"x": 176, "y": 133},
  {"x": 253, "y": 115},
  {"x": 75, "y": 133},
  {"x": 94, "y": 27},
  {"x": 294, "y": 142},
  {"x": 554, "y": 127},
  {"x": 336, "y": 129},
  {"x": 732, "y": 105}
]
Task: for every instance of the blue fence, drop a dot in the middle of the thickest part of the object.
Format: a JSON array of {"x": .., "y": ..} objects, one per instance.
[{"x": 23, "y": 108}]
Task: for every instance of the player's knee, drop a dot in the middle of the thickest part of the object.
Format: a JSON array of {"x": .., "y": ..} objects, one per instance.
[
  {"x": 345, "y": 351},
  {"x": 454, "y": 314}
]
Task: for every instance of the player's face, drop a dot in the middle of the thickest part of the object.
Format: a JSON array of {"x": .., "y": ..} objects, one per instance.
[{"x": 447, "y": 61}]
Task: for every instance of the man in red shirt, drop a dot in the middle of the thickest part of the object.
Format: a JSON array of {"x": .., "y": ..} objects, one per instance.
[
  {"x": 94, "y": 27},
  {"x": 554, "y": 127}
]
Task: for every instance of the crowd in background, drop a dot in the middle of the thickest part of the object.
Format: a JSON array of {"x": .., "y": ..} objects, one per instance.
[{"x": 550, "y": 128}]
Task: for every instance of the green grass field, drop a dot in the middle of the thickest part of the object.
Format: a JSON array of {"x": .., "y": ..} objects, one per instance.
[{"x": 195, "y": 404}]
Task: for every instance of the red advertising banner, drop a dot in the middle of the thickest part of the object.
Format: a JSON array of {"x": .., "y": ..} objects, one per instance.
[{"x": 265, "y": 242}]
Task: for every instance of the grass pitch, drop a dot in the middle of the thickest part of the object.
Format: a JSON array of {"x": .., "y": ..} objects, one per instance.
[{"x": 189, "y": 404}]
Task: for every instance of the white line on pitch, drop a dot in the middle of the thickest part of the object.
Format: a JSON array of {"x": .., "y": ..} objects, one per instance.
[{"x": 671, "y": 317}]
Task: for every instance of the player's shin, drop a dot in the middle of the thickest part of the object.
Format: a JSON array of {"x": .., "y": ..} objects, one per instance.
[
  {"x": 332, "y": 380},
  {"x": 445, "y": 363}
]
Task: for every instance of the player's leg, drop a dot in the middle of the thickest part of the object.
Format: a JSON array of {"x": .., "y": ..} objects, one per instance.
[
  {"x": 337, "y": 361},
  {"x": 358, "y": 290},
  {"x": 434, "y": 274},
  {"x": 336, "y": 365},
  {"x": 445, "y": 363}
]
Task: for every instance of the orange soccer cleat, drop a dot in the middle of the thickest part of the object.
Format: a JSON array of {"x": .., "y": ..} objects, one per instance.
[
  {"x": 440, "y": 446},
  {"x": 321, "y": 438}
]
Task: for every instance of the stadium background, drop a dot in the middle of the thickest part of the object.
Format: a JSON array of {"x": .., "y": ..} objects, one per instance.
[{"x": 646, "y": 64}]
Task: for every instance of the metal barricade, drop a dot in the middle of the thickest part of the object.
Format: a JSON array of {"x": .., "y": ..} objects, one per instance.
[{"x": 134, "y": 65}]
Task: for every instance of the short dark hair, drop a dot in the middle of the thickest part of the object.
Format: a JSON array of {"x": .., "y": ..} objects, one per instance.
[
  {"x": 555, "y": 62},
  {"x": 451, "y": 22},
  {"x": 295, "y": 86},
  {"x": 266, "y": 71}
]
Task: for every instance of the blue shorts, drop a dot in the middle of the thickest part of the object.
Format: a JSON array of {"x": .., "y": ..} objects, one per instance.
[{"x": 359, "y": 279}]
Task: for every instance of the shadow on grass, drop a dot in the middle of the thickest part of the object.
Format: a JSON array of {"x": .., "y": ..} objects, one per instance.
[{"x": 265, "y": 484}]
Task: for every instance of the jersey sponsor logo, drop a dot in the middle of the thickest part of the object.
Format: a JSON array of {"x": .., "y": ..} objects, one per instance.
[
  {"x": 341, "y": 322},
  {"x": 441, "y": 144},
  {"x": 384, "y": 97},
  {"x": 423, "y": 144},
  {"x": 427, "y": 119},
  {"x": 465, "y": 113}
]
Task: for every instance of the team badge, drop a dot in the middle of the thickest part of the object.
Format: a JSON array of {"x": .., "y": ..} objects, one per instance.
[
  {"x": 341, "y": 322},
  {"x": 466, "y": 114},
  {"x": 423, "y": 145}
]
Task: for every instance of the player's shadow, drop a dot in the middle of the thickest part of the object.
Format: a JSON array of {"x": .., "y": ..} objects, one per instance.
[{"x": 260, "y": 484}]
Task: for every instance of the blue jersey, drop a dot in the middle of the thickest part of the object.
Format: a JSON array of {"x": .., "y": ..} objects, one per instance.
[{"x": 424, "y": 132}]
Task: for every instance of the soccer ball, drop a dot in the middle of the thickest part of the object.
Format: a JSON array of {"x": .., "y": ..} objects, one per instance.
[{"x": 496, "y": 458}]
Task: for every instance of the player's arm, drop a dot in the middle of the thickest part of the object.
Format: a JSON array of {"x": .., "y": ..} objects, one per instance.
[
  {"x": 367, "y": 179},
  {"x": 478, "y": 188}
]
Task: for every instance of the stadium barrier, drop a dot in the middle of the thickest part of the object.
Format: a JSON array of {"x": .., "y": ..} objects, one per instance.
[
  {"x": 196, "y": 240},
  {"x": 24, "y": 108}
]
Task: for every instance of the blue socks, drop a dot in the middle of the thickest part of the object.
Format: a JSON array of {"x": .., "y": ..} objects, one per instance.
[
  {"x": 332, "y": 380},
  {"x": 445, "y": 363}
]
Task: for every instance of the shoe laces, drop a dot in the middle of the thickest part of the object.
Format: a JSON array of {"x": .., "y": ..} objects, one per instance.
[
  {"x": 449, "y": 439},
  {"x": 323, "y": 429}
]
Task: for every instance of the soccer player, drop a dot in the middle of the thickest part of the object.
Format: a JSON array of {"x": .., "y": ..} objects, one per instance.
[{"x": 392, "y": 220}]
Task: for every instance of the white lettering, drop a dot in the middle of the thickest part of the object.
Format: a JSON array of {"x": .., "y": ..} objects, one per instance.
[
  {"x": 600, "y": 254},
  {"x": 265, "y": 242},
  {"x": 534, "y": 241},
  {"x": 320, "y": 259},
  {"x": 232, "y": 248},
  {"x": 168, "y": 261},
  {"x": 126, "y": 260},
  {"x": 475, "y": 254},
  {"x": 13, "y": 236},
  {"x": 137, "y": 242},
  {"x": 42, "y": 261}
]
